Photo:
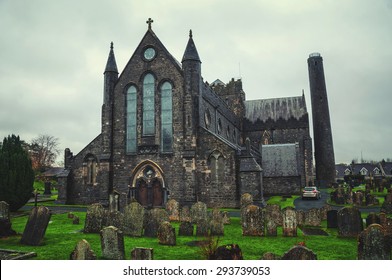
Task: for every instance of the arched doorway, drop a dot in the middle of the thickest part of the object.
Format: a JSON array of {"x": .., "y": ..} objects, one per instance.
[{"x": 148, "y": 186}]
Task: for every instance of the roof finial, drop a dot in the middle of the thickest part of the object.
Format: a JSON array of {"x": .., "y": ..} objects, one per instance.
[
  {"x": 190, "y": 33},
  {"x": 111, "y": 45},
  {"x": 149, "y": 21}
]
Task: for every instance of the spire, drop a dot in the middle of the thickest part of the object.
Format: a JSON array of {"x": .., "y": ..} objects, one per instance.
[
  {"x": 190, "y": 51},
  {"x": 111, "y": 65}
]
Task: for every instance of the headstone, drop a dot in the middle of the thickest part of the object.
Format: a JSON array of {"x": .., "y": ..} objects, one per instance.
[
  {"x": 312, "y": 217},
  {"x": 386, "y": 223},
  {"x": 94, "y": 218},
  {"x": 324, "y": 210},
  {"x": 139, "y": 253},
  {"x": 372, "y": 218},
  {"x": 75, "y": 220},
  {"x": 5, "y": 222},
  {"x": 289, "y": 222},
  {"x": 228, "y": 252},
  {"x": 185, "y": 229},
  {"x": 70, "y": 215},
  {"x": 166, "y": 234},
  {"x": 271, "y": 228},
  {"x": 133, "y": 219},
  {"x": 112, "y": 243},
  {"x": 113, "y": 218},
  {"x": 198, "y": 212},
  {"x": 349, "y": 222},
  {"x": 252, "y": 221},
  {"x": 300, "y": 217},
  {"x": 83, "y": 251},
  {"x": 36, "y": 226},
  {"x": 372, "y": 244},
  {"x": 152, "y": 221},
  {"x": 270, "y": 256},
  {"x": 48, "y": 188},
  {"x": 299, "y": 253},
  {"x": 185, "y": 214},
  {"x": 246, "y": 200},
  {"x": 386, "y": 207},
  {"x": 122, "y": 201},
  {"x": 202, "y": 228},
  {"x": 358, "y": 197},
  {"x": 388, "y": 197},
  {"x": 226, "y": 218},
  {"x": 332, "y": 219},
  {"x": 114, "y": 199},
  {"x": 173, "y": 209},
  {"x": 216, "y": 224},
  {"x": 273, "y": 213}
]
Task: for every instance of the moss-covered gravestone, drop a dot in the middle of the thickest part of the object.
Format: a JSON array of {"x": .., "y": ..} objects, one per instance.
[
  {"x": 83, "y": 251},
  {"x": 112, "y": 243},
  {"x": 5, "y": 222},
  {"x": 133, "y": 219},
  {"x": 289, "y": 222},
  {"x": 252, "y": 221},
  {"x": 372, "y": 244},
  {"x": 299, "y": 253},
  {"x": 349, "y": 222},
  {"x": 94, "y": 218},
  {"x": 153, "y": 220},
  {"x": 166, "y": 234}
]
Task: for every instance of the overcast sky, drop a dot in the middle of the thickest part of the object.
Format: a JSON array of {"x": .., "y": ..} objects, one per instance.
[{"x": 53, "y": 54}]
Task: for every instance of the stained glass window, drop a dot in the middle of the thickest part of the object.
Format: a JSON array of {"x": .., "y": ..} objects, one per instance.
[
  {"x": 166, "y": 118},
  {"x": 131, "y": 119},
  {"x": 149, "y": 105}
]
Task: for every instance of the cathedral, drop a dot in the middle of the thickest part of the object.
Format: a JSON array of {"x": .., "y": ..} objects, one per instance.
[{"x": 167, "y": 134}]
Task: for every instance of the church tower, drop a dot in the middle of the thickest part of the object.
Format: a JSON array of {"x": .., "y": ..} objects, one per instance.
[{"x": 322, "y": 133}]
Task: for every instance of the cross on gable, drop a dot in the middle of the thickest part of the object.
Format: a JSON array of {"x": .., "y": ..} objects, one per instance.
[{"x": 149, "y": 22}]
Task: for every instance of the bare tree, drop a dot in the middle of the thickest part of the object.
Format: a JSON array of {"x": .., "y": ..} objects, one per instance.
[{"x": 44, "y": 151}]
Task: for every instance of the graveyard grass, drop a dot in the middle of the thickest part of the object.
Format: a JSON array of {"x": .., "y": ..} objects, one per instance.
[{"x": 62, "y": 236}]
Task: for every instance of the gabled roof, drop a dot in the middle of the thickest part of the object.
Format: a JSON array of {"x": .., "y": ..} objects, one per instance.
[
  {"x": 342, "y": 170},
  {"x": 275, "y": 108}
]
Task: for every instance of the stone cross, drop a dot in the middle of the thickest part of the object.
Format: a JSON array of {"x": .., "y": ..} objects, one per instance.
[{"x": 149, "y": 22}]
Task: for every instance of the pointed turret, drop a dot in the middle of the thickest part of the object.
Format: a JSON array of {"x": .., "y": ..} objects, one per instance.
[
  {"x": 111, "y": 65},
  {"x": 190, "y": 51}
]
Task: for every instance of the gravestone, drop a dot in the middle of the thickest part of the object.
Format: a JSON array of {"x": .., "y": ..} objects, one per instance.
[
  {"x": 388, "y": 197},
  {"x": 372, "y": 218},
  {"x": 166, "y": 234},
  {"x": 113, "y": 218},
  {"x": 70, "y": 215},
  {"x": 323, "y": 211},
  {"x": 289, "y": 222},
  {"x": 152, "y": 221},
  {"x": 94, "y": 218},
  {"x": 139, "y": 253},
  {"x": 114, "y": 201},
  {"x": 270, "y": 256},
  {"x": 372, "y": 244},
  {"x": 299, "y": 253},
  {"x": 216, "y": 224},
  {"x": 5, "y": 222},
  {"x": 271, "y": 228},
  {"x": 252, "y": 221},
  {"x": 300, "y": 217},
  {"x": 358, "y": 197},
  {"x": 332, "y": 219},
  {"x": 246, "y": 200},
  {"x": 386, "y": 223},
  {"x": 273, "y": 213},
  {"x": 75, "y": 220},
  {"x": 173, "y": 209},
  {"x": 226, "y": 218},
  {"x": 112, "y": 243},
  {"x": 198, "y": 212},
  {"x": 227, "y": 252},
  {"x": 122, "y": 202},
  {"x": 133, "y": 219},
  {"x": 386, "y": 207},
  {"x": 202, "y": 228},
  {"x": 83, "y": 251},
  {"x": 349, "y": 222},
  {"x": 185, "y": 214},
  {"x": 312, "y": 217},
  {"x": 36, "y": 226},
  {"x": 185, "y": 229}
]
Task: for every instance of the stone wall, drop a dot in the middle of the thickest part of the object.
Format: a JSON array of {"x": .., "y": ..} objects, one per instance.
[{"x": 281, "y": 185}]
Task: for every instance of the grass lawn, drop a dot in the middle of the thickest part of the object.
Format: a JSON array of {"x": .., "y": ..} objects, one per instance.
[{"x": 62, "y": 236}]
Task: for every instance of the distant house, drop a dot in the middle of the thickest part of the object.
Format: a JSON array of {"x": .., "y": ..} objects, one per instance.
[
  {"x": 386, "y": 169},
  {"x": 342, "y": 170},
  {"x": 368, "y": 170}
]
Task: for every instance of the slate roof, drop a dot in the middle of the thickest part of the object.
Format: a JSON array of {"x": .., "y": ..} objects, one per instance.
[
  {"x": 111, "y": 65},
  {"x": 357, "y": 167},
  {"x": 387, "y": 168},
  {"x": 54, "y": 172},
  {"x": 341, "y": 169},
  {"x": 275, "y": 108},
  {"x": 190, "y": 50},
  {"x": 280, "y": 160}
]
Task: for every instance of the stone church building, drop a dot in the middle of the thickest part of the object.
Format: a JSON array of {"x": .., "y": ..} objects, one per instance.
[{"x": 168, "y": 134}]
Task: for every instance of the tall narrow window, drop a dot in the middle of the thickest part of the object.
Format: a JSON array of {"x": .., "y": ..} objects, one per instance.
[
  {"x": 148, "y": 105},
  {"x": 131, "y": 119},
  {"x": 166, "y": 118}
]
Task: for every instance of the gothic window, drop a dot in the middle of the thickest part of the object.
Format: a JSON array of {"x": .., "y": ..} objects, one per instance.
[
  {"x": 90, "y": 167},
  {"x": 149, "y": 105},
  {"x": 131, "y": 119},
  {"x": 166, "y": 118},
  {"x": 216, "y": 163}
]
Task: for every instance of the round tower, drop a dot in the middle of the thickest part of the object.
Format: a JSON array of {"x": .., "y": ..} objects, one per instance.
[{"x": 322, "y": 133}]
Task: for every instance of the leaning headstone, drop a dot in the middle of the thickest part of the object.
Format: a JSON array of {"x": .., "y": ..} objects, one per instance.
[
  {"x": 252, "y": 221},
  {"x": 372, "y": 244},
  {"x": 36, "y": 226},
  {"x": 153, "y": 220},
  {"x": 185, "y": 229},
  {"x": 372, "y": 218},
  {"x": 198, "y": 212},
  {"x": 139, "y": 253},
  {"x": 83, "y": 251},
  {"x": 273, "y": 213},
  {"x": 166, "y": 234},
  {"x": 133, "y": 219},
  {"x": 5, "y": 222},
  {"x": 299, "y": 253},
  {"x": 112, "y": 243},
  {"x": 94, "y": 218},
  {"x": 185, "y": 214},
  {"x": 173, "y": 209},
  {"x": 113, "y": 218},
  {"x": 312, "y": 217},
  {"x": 228, "y": 252},
  {"x": 349, "y": 222},
  {"x": 289, "y": 222},
  {"x": 332, "y": 219}
]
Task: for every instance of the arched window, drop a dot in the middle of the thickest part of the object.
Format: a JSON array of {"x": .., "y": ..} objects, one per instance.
[
  {"x": 90, "y": 169},
  {"x": 166, "y": 118},
  {"x": 131, "y": 119},
  {"x": 149, "y": 105},
  {"x": 216, "y": 164}
]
